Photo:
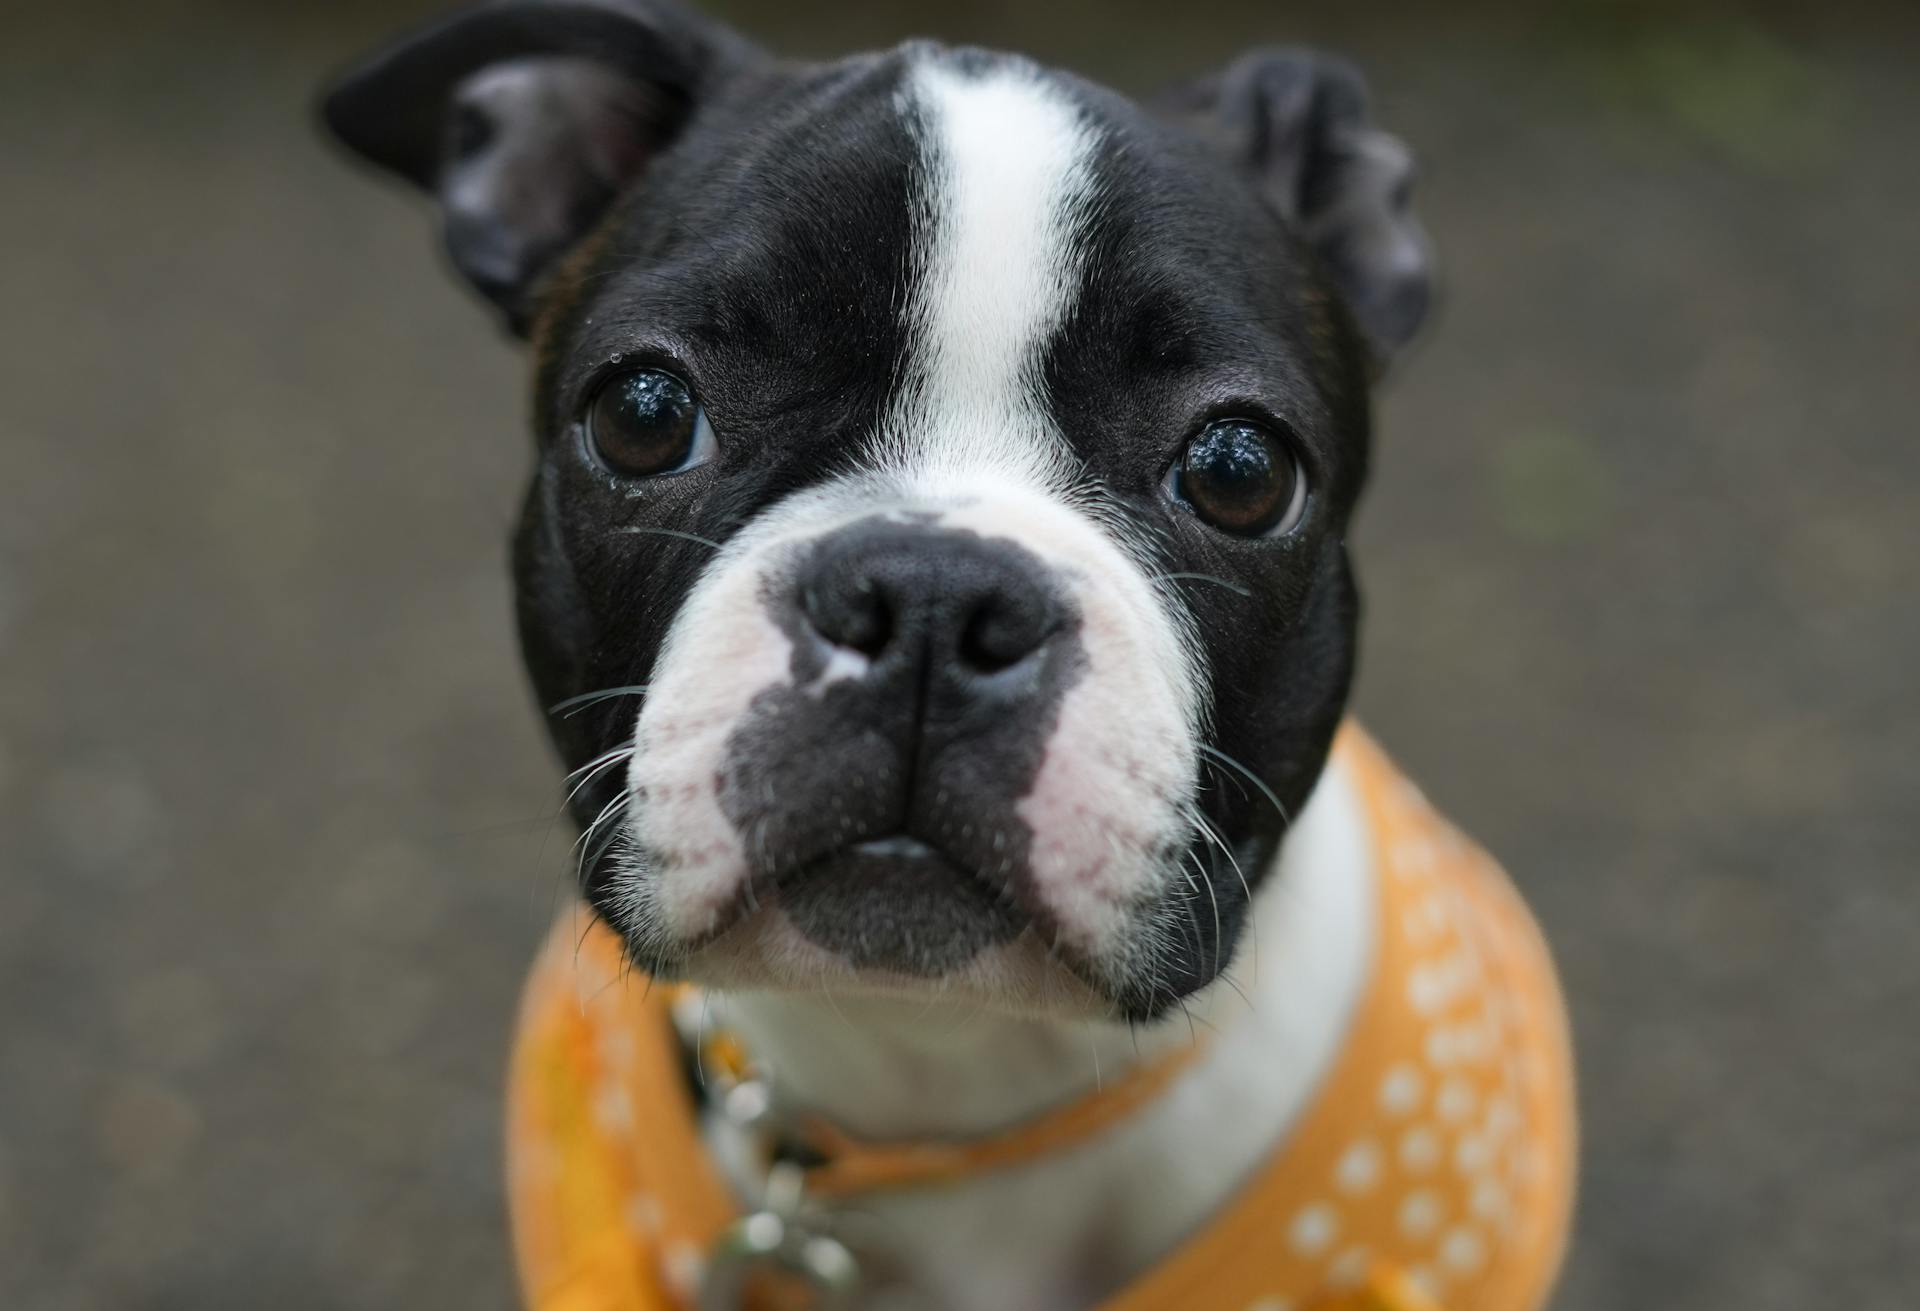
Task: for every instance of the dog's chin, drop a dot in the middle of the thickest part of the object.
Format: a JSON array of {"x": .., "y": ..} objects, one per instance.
[
  {"x": 891, "y": 918},
  {"x": 765, "y": 952},
  {"x": 898, "y": 906}
]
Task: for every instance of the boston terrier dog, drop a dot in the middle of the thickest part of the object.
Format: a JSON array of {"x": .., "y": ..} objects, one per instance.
[{"x": 935, "y": 563}]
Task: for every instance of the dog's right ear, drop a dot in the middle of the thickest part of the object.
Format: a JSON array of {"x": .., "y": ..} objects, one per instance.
[{"x": 526, "y": 119}]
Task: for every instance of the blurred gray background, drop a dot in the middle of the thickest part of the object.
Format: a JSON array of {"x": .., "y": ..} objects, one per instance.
[{"x": 275, "y": 808}]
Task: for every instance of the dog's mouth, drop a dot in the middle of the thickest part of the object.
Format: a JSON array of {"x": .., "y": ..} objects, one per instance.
[{"x": 897, "y": 904}]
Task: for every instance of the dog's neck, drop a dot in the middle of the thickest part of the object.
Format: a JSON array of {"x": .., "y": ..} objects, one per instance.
[{"x": 899, "y": 1069}]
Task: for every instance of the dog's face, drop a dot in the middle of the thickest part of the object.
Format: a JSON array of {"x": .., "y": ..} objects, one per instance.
[{"x": 935, "y": 548}]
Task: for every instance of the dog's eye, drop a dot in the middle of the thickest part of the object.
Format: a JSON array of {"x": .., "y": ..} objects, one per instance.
[
  {"x": 646, "y": 423},
  {"x": 1241, "y": 478}
]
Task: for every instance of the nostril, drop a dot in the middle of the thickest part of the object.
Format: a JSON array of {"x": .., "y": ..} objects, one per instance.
[
  {"x": 869, "y": 625},
  {"x": 855, "y": 615},
  {"x": 1002, "y": 632},
  {"x": 920, "y": 603}
]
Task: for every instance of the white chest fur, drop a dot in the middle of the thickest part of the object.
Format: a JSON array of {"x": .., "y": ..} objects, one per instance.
[{"x": 1066, "y": 1230}]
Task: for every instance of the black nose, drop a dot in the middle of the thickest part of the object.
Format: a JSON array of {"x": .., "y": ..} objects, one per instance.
[{"x": 962, "y": 607}]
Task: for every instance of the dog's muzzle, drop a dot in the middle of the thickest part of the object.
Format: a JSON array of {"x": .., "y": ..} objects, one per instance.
[
  {"x": 890, "y": 732},
  {"x": 878, "y": 790}
]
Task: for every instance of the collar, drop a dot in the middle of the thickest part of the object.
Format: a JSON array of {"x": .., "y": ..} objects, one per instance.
[
  {"x": 834, "y": 1165},
  {"x": 1433, "y": 1169}
]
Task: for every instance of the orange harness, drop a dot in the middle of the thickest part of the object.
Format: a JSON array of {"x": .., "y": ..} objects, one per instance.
[{"x": 1433, "y": 1169}]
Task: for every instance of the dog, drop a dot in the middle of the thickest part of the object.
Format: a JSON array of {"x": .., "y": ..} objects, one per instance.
[{"x": 935, "y": 564}]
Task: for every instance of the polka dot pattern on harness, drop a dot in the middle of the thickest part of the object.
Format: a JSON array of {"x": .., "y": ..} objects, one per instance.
[
  {"x": 1434, "y": 1172},
  {"x": 1427, "y": 1189}
]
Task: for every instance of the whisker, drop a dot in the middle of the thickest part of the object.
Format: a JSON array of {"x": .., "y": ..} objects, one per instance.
[
  {"x": 1189, "y": 924},
  {"x": 541, "y": 876},
  {"x": 1252, "y": 777},
  {"x": 586, "y": 928},
  {"x": 1204, "y": 578},
  {"x": 591, "y": 855},
  {"x": 833, "y": 1002},
  {"x": 609, "y": 762},
  {"x": 619, "y": 980},
  {"x": 1227, "y": 978},
  {"x": 669, "y": 532},
  {"x": 972, "y": 1017},
  {"x": 573, "y": 705},
  {"x": 1219, "y": 840},
  {"x": 1214, "y": 897},
  {"x": 613, "y": 753},
  {"x": 612, "y": 835},
  {"x": 700, "y": 1044}
]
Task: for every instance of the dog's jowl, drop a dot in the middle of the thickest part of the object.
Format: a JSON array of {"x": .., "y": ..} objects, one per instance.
[{"x": 935, "y": 563}]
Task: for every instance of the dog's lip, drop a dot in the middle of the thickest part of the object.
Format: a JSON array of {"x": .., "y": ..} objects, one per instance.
[
  {"x": 898, "y": 904},
  {"x": 760, "y": 903},
  {"x": 899, "y": 846},
  {"x": 766, "y": 889},
  {"x": 901, "y": 849}
]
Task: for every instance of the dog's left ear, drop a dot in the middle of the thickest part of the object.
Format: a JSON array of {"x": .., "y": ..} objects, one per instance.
[
  {"x": 526, "y": 118},
  {"x": 1297, "y": 122}
]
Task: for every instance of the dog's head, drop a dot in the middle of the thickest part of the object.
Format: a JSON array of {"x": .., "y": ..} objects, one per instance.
[{"x": 935, "y": 547}]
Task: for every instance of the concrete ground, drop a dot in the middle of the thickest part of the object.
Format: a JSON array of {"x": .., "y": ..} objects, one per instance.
[{"x": 274, "y": 809}]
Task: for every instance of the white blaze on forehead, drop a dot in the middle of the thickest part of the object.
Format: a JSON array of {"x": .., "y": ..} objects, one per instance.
[{"x": 1009, "y": 182}]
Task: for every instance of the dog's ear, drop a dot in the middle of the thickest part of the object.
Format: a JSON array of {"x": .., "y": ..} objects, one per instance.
[
  {"x": 1297, "y": 121},
  {"x": 526, "y": 118}
]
